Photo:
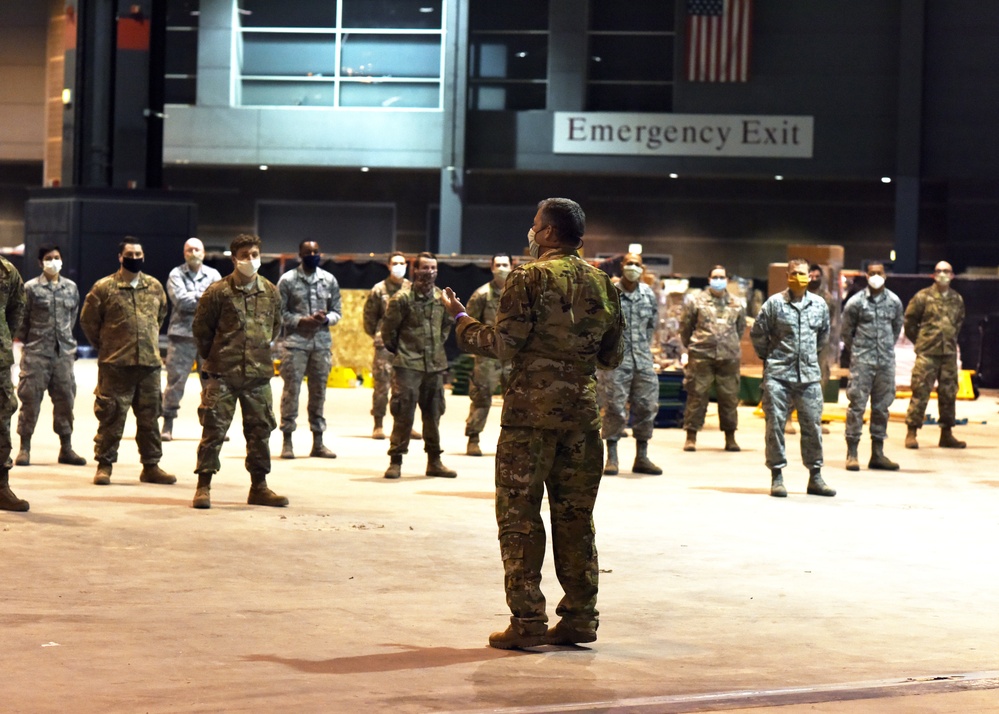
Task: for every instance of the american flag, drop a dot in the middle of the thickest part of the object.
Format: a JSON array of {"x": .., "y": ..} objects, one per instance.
[{"x": 718, "y": 40}]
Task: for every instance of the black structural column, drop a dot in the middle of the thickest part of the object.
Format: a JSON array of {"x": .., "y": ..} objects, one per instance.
[{"x": 910, "y": 125}]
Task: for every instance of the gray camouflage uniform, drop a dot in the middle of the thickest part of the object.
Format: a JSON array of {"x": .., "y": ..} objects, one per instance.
[
  {"x": 184, "y": 288},
  {"x": 49, "y": 353},
  {"x": 789, "y": 336},
  {"x": 933, "y": 322},
  {"x": 634, "y": 382},
  {"x": 12, "y": 304},
  {"x": 304, "y": 354},
  {"x": 381, "y": 367},
  {"x": 488, "y": 373},
  {"x": 871, "y": 326},
  {"x": 711, "y": 328}
]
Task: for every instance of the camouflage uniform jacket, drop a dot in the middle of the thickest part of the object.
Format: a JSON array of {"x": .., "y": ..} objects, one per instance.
[
  {"x": 50, "y": 316},
  {"x": 641, "y": 313},
  {"x": 559, "y": 320},
  {"x": 484, "y": 303},
  {"x": 12, "y": 302},
  {"x": 711, "y": 327},
  {"x": 375, "y": 306},
  {"x": 301, "y": 296},
  {"x": 871, "y": 326},
  {"x": 933, "y": 321},
  {"x": 185, "y": 287},
  {"x": 234, "y": 327},
  {"x": 414, "y": 329},
  {"x": 123, "y": 322},
  {"x": 788, "y": 336}
]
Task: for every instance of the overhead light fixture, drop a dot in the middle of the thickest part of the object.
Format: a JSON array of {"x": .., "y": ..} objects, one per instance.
[
  {"x": 891, "y": 256},
  {"x": 522, "y": 55},
  {"x": 778, "y": 177},
  {"x": 264, "y": 167},
  {"x": 886, "y": 179},
  {"x": 674, "y": 175},
  {"x": 67, "y": 96},
  {"x": 365, "y": 169}
]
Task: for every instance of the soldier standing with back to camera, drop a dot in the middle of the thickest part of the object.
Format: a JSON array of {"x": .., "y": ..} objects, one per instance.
[{"x": 11, "y": 313}]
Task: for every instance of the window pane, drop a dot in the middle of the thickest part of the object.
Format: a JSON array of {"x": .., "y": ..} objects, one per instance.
[
  {"x": 508, "y": 14},
  {"x": 288, "y": 55},
  {"x": 632, "y": 16},
  {"x": 390, "y": 95},
  {"x": 287, "y": 94},
  {"x": 180, "y": 90},
  {"x": 181, "y": 52},
  {"x": 393, "y": 14},
  {"x": 300, "y": 13},
  {"x": 629, "y": 98},
  {"x": 390, "y": 56},
  {"x": 509, "y": 56},
  {"x": 508, "y": 97},
  {"x": 631, "y": 57},
  {"x": 182, "y": 13}
]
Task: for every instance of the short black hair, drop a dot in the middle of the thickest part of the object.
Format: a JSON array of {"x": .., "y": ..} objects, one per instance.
[
  {"x": 492, "y": 260},
  {"x": 46, "y": 248},
  {"x": 813, "y": 267},
  {"x": 566, "y": 217},
  {"x": 307, "y": 240},
  {"x": 718, "y": 267},
  {"x": 425, "y": 254},
  {"x": 129, "y": 240},
  {"x": 394, "y": 253},
  {"x": 243, "y": 240}
]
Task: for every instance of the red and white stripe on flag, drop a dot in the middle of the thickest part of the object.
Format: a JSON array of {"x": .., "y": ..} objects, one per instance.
[{"x": 718, "y": 40}]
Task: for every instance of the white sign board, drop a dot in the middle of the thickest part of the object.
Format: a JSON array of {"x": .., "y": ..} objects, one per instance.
[{"x": 728, "y": 135}]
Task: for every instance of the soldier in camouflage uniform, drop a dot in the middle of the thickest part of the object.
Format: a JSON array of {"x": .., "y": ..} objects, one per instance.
[
  {"x": 185, "y": 286},
  {"x": 711, "y": 328},
  {"x": 53, "y": 302},
  {"x": 634, "y": 382},
  {"x": 933, "y": 320},
  {"x": 789, "y": 335},
  {"x": 121, "y": 317},
  {"x": 12, "y": 304},
  {"x": 236, "y": 320},
  {"x": 816, "y": 287},
  {"x": 414, "y": 329},
  {"x": 559, "y": 321},
  {"x": 374, "y": 312},
  {"x": 310, "y": 305},
  {"x": 872, "y": 322},
  {"x": 488, "y": 373}
]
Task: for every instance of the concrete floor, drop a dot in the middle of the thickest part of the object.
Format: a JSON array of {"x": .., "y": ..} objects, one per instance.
[{"x": 373, "y": 595}]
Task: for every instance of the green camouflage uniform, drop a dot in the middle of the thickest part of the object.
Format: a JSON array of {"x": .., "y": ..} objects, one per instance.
[
  {"x": 711, "y": 328},
  {"x": 414, "y": 329},
  {"x": 871, "y": 326},
  {"x": 123, "y": 322},
  {"x": 559, "y": 320},
  {"x": 381, "y": 367},
  {"x": 488, "y": 373},
  {"x": 932, "y": 323},
  {"x": 184, "y": 288},
  {"x": 49, "y": 353},
  {"x": 12, "y": 303},
  {"x": 233, "y": 327},
  {"x": 789, "y": 337}
]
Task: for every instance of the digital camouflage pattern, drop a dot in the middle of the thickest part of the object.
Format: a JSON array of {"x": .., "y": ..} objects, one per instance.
[
  {"x": 184, "y": 288},
  {"x": 779, "y": 398},
  {"x": 487, "y": 373},
  {"x": 825, "y": 355},
  {"x": 12, "y": 305},
  {"x": 123, "y": 322},
  {"x": 933, "y": 322},
  {"x": 412, "y": 388},
  {"x": 415, "y": 328},
  {"x": 872, "y": 323},
  {"x": 312, "y": 366},
  {"x": 181, "y": 356},
  {"x": 381, "y": 366}
]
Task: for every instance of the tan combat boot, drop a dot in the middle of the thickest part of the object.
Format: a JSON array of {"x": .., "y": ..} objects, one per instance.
[
  {"x": 473, "y": 446},
  {"x": 203, "y": 494},
  {"x": 777, "y": 484},
  {"x": 103, "y": 475},
  {"x": 152, "y": 473},
  {"x": 379, "y": 430},
  {"x": 512, "y": 638},
  {"x": 564, "y": 634},
  {"x": 643, "y": 465},
  {"x": 948, "y": 441},
  {"x": 910, "y": 438},
  {"x": 691, "y": 443},
  {"x": 878, "y": 459},
  {"x": 167, "y": 433},
  {"x": 66, "y": 453},
  {"x": 8, "y": 501},
  {"x": 610, "y": 468},
  {"x": 852, "y": 460},
  {"x": 818, "y": 487},
  {"x": 438, "y": 469},
  {"x": 319, "y": 449},
  {"x": 287, "y": 448},
  {"x": 260, "y": 495},
  {"x": 730, "y": 444},
  {"x": 395, "y": 468},
  {"x": 24, "y": 453}
]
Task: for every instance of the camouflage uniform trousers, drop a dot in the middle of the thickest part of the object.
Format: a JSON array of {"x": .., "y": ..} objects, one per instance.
[
  {"x": 698, "y": 377},
  {"x": 217, "y": 409},
  {"x": 121, "y": 387},
  {"x": 8, "y": 405},
  {"x": 569, "y": 464},
  {"x": 779, "y": 398},
  {"x": 868, "y": 381},
  {"x": 54, "y": 374},
  {"x": 627, "y": 388},
  {"x": 182, "y": 355},
  {"x": 487, "y": 375},
  {"x": 381, "y": 376},
  {"x": 313, "y": 365},
  {"x": 410, "y": 388},
  {"x": 928, "y": 369}
]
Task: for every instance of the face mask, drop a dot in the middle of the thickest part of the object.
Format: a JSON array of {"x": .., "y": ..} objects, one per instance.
[
  {"x": 718, "y": 284},
  {"x": 500, "y": 274},
  {"x": 632, "y": 272},
  {"x": 797, "y": 282},
  {"x": 398, "y": 271},
  {"x": 943, "y": 278},
  {"x": 876, "y": 281},
  {"x": 532, "y": 247},
  {"x": 814, "y": 285},
  {"x": 312, "y": 261},
  {"x": 194, "y": 261},
  {"x": 132, "y": 265},
  {"x": 52, "y": 267},
  {"x": 248, "y": 268}
]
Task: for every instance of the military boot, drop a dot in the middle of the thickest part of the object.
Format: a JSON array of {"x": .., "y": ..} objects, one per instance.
[
  {"x": 789, "y": 428},
  {"x": 947, "y": 440},
  {"x": 818, "y": 487},
  {"x": 415, "y": 435},
  {"x": 260, "y": 495},
  {"x": 513, "y": 638},
  {"x": 878, "y": 459},
  {"x": 473, "y": 446},
  {"x": 287, "y": 450},
  {"x": 910, "y": 438},
  {"x": 691, "y": 443},
  {"x": 777, "y": 484},
  {"x": 8, "y": 501},
  {"x": 152, "y": 473},
  {"x": 610, "y": 468},
  {"x": 642, "y": 463},
  {"x": 852, "y": 460},
  {"x": 103, "y": 475},
  {"x": 436, "y": 468},
  {"x": 319, "y": 450},
  {"x": 379, "y": 430},
  {"x": 66, "y": 453},
  {"x": 167, "y": 433},
  {"x": 730, "y": 444},
  {"x": 203, "y": 494},
  {"x": 565, "y": 634},
  {"x": 24, "y": 453},
  {"x": 395, "y": 467}
]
